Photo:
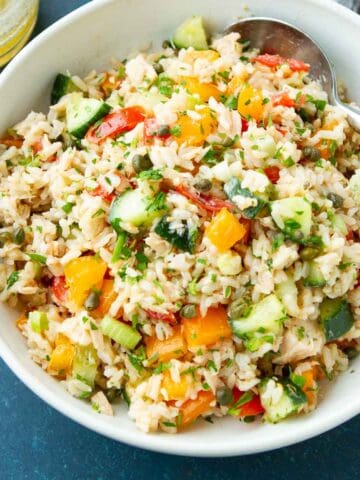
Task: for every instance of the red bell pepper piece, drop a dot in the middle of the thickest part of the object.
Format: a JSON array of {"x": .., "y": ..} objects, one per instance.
[
  {"x": 274, "y": 61},
  {"x": 350, "y": 235},
  {"x": 12, "y": 141},
  {"x": 207, "y": 202},
  {"x": 273, "y": 173},
  {"x": 268, "y": 60},
  {"x": 99, "y": 191},
  {"x": 116, "y": 123},
  {"x": 246, "y": 404},
  {"x": 282, "y": 99},
  {"x": 244, "y": 125},
  {"x": 168, "y": 317},
  {"x": 59, "y": 288},
  {"x": 298, "y": 65}
]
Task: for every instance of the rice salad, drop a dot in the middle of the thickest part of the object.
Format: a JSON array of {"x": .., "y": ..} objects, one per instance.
[{"x": 181, "y": 233}]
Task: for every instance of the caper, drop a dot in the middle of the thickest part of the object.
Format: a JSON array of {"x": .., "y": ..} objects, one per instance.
[
  {"x": 18, "y": 236},
  {"x": 166, "y": 44},
  {"x": 59, "y": 231},
  {"x": 309, "y": 253},
  {"x": 92, "y": 300},
  {"x": 224, "y": 396},
  {"x": 337, "y": 200},
  {"x": 188, "y": 311},
  {"x": 163, "y": 130},
  {"x": 4, "y": 237},
  {"x": 141, "y": 163},
  {"x": 228, "y": 142},
  {"x": 312, "y": 153},
  {"x": 203, "y": 185},
  {"x": 351, "y": 353},
  {"x": 158, "y": 68}
]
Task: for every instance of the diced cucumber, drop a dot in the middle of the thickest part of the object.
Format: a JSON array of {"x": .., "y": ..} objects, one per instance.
[
  {"x": 183, "y": 238},
  {"x": 336, "y": 318},
  {"x": 135, "y": 207},
  {"x": 85, "y": 364},
  {"x": 260, "y": 323},
  {"x": 339, "y": 224},
  {"x": 293, "y": 216},
  {"x": 38, "y": 321},
  {"x": 62, "y": 86},
  {"x": 314, "y": 278},
  {"x": 82, "y": 112},
  {"x": 290, "y": 402},
  {"x": 233, "y": 189},
  {"x": 287, "y": 292},
  {"x": 191, "y": 33},
  {"x": 121, "y": 333}
]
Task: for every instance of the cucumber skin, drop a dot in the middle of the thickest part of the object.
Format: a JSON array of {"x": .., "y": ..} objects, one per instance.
[
  {"x": 81, "y": 131},
  {"x": 184, "y": 36},
  {"x": 291, "y": 400},
  {"x": 335, "y": 317},
  {"x": 233, "y": 188},
  {"x": 62, "y": 85},
  {"x": 185, "y": 242}
]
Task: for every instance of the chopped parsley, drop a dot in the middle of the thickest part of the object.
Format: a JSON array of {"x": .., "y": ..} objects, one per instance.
[
  {"x": 37, "y": 258},
  {"x": 12, "y": 278}
]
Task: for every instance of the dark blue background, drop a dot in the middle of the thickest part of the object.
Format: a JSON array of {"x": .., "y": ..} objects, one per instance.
[{"x": 37, "y": 443}]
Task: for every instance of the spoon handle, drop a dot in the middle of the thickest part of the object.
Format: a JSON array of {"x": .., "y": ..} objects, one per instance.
[{"x": 352, "y": 113}]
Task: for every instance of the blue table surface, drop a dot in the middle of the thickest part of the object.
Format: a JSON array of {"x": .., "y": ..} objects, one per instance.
[{"x": 39, "y": 443}]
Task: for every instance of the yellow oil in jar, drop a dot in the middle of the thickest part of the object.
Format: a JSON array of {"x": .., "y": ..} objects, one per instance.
[{"x": 17, "y": 20}]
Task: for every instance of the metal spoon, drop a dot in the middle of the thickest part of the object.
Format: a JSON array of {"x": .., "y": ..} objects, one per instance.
[{"x": 274, "y": 36}]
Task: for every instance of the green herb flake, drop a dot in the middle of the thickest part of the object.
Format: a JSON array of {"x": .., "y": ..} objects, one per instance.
[
  {"x": 37, "y": 258},
  {"x": 235, "y": 409},
  {"x": 67, "y": 207},
  {"x": 12, "y": 278}
]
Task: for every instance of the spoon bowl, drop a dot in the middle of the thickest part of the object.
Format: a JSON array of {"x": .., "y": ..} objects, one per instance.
[{"x": 274, "y": 36}]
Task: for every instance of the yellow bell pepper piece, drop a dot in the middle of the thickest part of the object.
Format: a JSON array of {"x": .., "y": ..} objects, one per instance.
[
  {"x": 192, "y": 55},
  {"x": 81, "y": 275},
  {"x": 176, "y": 390},
  {"x": 204, "y": 90},
  {"x": 61, "y": 359},
  {"x": 250, "y": 103},
  {"x": 207, "y": 330},
  {"x": 236, "y": 83},
  {"x": 21, "y": 320},
  {"x": 165, "y": 350},
  {"x": 62, "y": 339},
  {"x": 192, "y": 409},
  {"x": 107, "y": 297},
  {"x": 195, "y": 132},
  {"x": 225, "y": 230}
]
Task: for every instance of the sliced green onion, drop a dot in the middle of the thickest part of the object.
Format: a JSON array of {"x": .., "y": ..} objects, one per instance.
[
  {"x": 38, "y": 321},
  {"x": 85, "y": 364},
  {"x": 123, "y": 334}
]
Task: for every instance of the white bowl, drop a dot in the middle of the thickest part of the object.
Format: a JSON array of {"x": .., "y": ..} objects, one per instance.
[{"x": 88, "y": 38}]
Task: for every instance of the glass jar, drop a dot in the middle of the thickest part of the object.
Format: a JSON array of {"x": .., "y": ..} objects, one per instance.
[{"x": 17, "y": 20}]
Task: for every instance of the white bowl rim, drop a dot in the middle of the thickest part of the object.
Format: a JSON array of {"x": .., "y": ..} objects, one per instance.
[{"x": 158, "y": 442}]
